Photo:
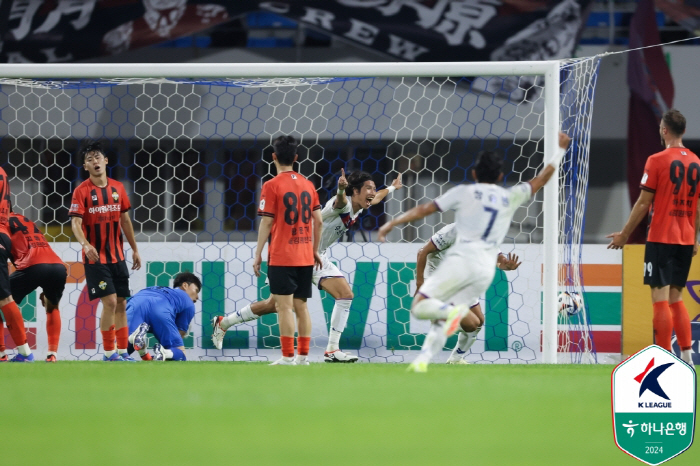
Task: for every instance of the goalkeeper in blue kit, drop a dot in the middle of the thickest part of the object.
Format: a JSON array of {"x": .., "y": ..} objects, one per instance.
[{"x": 167, "y": 314}]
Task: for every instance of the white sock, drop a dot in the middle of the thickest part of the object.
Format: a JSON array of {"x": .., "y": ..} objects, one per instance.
[
  {"x": 434, "y": 341},
  {"x": 168, "y": 353},
  {"x": 123, "y": 351},
  {"x": 339, "y": 318},
  {"x": 431, "y": 309},
  {"x": 109, "y": 353},
  {"x": 300, "y": 358},
  {"x": 687, "y": 356},
  {"x": 464, "y": 342},
  {"x": 237, "y": 317},
  {"x": 24, "y": 350},
  {"x": 50, "y": 353},
  {"x": 143, "y": 351},
  {"x": 2, "y": 354}
]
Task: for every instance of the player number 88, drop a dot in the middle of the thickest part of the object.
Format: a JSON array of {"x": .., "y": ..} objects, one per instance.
[{"x": 291, "y": 212}]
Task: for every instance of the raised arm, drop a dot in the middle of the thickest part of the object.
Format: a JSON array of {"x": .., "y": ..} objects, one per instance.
[
  {"x": 128, "y": 229},
  {"x": 340, "y": 199},
  {"x": 417, "y": 213},
  {"x": 551, "y": 166},
  {"x": 382, "y": 193},
  {"x": 76, "y": 224}
]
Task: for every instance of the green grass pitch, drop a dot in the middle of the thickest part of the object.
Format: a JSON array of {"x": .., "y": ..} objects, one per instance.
[{"x": 216, "y": 413}]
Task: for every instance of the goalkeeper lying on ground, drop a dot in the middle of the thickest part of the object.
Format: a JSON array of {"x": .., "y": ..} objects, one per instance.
[{"x": 165, "y": 312}]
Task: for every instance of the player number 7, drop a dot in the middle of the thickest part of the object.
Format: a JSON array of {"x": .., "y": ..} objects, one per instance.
[{"x": 493, "y": 213}]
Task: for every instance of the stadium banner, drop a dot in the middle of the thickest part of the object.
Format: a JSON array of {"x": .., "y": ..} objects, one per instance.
[
  {"x": 637, "y": 308},
  {"x": 380, "y": 327},
  {"x": 428, "y": 30}
]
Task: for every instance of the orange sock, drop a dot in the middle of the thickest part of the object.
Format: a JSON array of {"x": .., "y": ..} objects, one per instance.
[
  {"x": 304, "y": 343},
  {"x": 681, "y": 324},
  {"x": 663, "y": 325},
  {"x": 15, "y": 323},
  {"x": 53, "y": 329},
  {"x": 2, "y": 336},
  {"x": 122, "y": 338},
  {"x": 287, "y": 347},
  {"x": 108, "y": 339}
]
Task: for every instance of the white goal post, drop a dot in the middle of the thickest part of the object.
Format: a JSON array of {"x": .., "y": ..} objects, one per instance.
[{"x": 55, "y": 75}]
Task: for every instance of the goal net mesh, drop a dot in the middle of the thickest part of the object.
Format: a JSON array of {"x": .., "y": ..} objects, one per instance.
[{"x": 193, "y": 154}]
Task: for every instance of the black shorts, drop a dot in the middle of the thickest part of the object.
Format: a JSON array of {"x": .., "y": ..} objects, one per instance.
[
  {"x": 5, "y": 248},
  {"x": 50, "y": 277},
  {"x": 667, "y": 264},
  {"x": 291, "y": 280},
  {"x": 106, "y": 279}
]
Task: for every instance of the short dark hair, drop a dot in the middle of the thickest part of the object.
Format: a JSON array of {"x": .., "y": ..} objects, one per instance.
[
  {"x": 89, "y": 148},
  {"x": 674, "y": 122},
  {"x": 356, "y": 180},
  {"x": 187, "y": 277},
  {"x": 488, "y": 166},
  {"x": 286, "y": 148}
]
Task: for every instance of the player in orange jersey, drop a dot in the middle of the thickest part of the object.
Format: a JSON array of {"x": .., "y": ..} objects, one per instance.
[
  {"x": 37, "y": 265},
  {"x": 99, "y": 213},
  {"x": 291, "y": 217},
  {"x": 670, "y": 190},
  {"x": 12, "y": 314}
]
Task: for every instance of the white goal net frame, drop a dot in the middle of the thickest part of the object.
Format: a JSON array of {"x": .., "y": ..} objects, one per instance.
[{"x": 59, "y": 76}]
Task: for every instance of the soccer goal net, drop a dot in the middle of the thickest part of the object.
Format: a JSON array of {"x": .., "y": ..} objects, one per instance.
[{"x": 193, "y": 150}]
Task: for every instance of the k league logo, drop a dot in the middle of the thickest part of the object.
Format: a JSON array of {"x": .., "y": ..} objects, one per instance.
[{"x": 653, "y": 401}]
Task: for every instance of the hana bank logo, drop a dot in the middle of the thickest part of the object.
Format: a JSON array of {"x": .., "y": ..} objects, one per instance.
[{"x": 649, "y": 381}]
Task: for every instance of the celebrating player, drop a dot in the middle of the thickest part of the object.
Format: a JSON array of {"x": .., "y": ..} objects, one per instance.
[
  {"x": 37, "y": 265},
  {"x": 99, "y": 212},
  {"x": 13, "y": 316},
  {"x": 165, "y": 312},
  {"x": 431, "y": 255},
  {"x": 291, "y": 218},
  {"x": 339, "y": 214},
  {"x": 670, "y": 197},
  {"x": 483, "y": 211}
]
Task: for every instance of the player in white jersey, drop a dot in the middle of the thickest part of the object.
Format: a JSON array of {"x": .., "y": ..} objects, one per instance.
[
  {"x": 484, "y": 211},
  {"x": 355, "y": 193},
  {"x": 429, "y": 258}
]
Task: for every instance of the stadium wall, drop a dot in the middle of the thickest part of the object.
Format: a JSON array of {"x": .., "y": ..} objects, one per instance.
[{"x": 380, "y": 327}]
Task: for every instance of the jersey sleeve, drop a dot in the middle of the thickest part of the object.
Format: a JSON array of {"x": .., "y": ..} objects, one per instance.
[
  {"x": 650, "y": 178},
  {"x": 268, "y": 201},
  {"x": 124, "y": 199},
  {"x": 444, "y": 238},
  {"x": 520, "y": 194},
  {"x": 450, "y": 200},
  {"x": 329, "y": 211},
  {"x": 183, "y": 319},
  {"x": 77, "y": 204}
]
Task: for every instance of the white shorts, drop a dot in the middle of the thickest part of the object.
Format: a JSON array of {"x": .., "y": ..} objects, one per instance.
[
  {"x": 327, "y": 270},
  {"x": 463, "y": 276}
]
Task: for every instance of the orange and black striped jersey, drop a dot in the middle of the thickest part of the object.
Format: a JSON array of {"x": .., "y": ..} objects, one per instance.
[
  {"x": 29, "y": 247},
  {"x": 101, "y": 209}
]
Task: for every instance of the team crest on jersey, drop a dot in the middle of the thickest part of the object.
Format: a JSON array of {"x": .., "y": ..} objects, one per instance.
[
  {"x": 347, "y": 220},
  {"x": 115, "y": 196},
  {"x": 103, "y": 285}
]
